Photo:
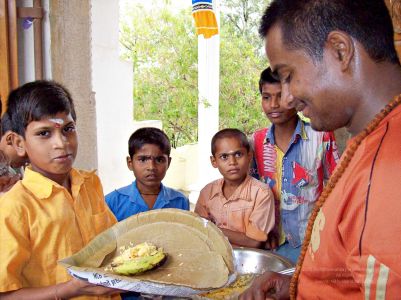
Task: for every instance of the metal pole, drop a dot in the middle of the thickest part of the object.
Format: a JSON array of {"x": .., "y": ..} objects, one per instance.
[
  {"x": 208, "y": 102},
  {"x": 37, "y": 36},
  {"x": 13, "y": 43}
]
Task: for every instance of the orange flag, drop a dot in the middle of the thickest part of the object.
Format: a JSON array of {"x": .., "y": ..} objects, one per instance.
[{"x": 205, "y": 19}]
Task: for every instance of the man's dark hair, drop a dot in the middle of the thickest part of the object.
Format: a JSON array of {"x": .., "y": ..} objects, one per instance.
[
  {"x": 305, "y": 24},
  {"x": 36, "y": 100},
  {"x": 230, "y": 133},
  {"x": 267, "y": 77},
  {"x": 5, "y": 124},
  {"x": 148, "y": 135}
]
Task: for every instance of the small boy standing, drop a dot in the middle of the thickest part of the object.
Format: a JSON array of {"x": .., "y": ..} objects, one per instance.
[
  {"x": 55, "y": 210},
  {"x": 241, "y": 206},
  {"x": 149, "y": 158}
]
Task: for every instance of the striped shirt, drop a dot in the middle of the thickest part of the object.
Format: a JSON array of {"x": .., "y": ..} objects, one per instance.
[{"x": 296, "y": 176}]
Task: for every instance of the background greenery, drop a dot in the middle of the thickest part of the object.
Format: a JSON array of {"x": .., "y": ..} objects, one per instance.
[{"x": 161, "y": 42}]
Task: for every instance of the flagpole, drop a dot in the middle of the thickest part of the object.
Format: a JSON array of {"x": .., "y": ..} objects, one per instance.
[{"x": 208, "y": 100}]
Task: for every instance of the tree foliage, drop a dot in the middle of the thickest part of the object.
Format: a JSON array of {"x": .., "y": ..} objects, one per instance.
[{"x": 163, "y": 48}]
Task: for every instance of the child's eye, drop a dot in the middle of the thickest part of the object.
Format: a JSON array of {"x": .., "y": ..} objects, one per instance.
[
  {"x": 238, "y": 154},
  {"x": 142, "y": 159},
  {"x": 266, "y": 98},
  {"x": 43, "y": 133},
  {"x": 224, "y": 156},
  {"x": 160, "y": 160},
  {"x": 69, "y": 128}
]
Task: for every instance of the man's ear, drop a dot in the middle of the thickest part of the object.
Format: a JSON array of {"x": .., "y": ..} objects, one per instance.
[
  {"x": 213, "y": 161},
  {"x": 169, "y": 162},
  {"x": 342, "y": 47},
  {"x": 129, "y": 163},
  {"x": 18, "y": 143}
]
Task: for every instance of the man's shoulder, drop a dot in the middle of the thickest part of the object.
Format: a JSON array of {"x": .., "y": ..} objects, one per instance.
[{"x": 394, "y": 117}]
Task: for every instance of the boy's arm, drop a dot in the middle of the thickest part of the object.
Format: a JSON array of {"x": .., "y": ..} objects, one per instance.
[
  {"x": 240, "y": 239},
  {"x": 70, "y": 289},
  {"x": 200, "y": 207},
  {"x": 262, "y": 219}
]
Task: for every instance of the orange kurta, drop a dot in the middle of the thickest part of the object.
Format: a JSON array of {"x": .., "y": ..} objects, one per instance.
[
  {"x": 355, "y": 249},
  {"x": 41, "y": 223},
  {"x": 249, "y": 210}
]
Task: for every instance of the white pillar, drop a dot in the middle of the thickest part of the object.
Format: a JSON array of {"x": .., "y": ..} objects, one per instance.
[
  {"x": 208, "y": 100},
  {"x": 112, "y": 82}
]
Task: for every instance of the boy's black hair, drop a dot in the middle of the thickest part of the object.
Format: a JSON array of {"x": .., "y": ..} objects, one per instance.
[
  {"x": 36, "y": 100},
  {"x": 148, "y": 135},
  {"x": 5, "y": 124},
  {"x": 230, "y": 133},
  {"x": 267, "y": 77},
  {"x": 305, "y": 24}
]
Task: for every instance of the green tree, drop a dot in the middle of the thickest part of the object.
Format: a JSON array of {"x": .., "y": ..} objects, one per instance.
[
  {"x": 243, "y": 17},
  {"x": 163, "y": 48}
]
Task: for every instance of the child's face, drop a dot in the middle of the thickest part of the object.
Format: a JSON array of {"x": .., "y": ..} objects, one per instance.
[
  {"x": 51, "y": 145},
  {"x": 232, "y": 159},
  {"x": 149, "y": 165},
  {"x": 271, "y": 104}
]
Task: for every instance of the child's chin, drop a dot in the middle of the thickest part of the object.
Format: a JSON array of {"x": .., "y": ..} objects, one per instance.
[{"x": 236, "y": 177}]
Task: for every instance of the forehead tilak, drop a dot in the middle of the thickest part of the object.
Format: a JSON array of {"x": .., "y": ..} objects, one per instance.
[{"x": 57, "y": 122}]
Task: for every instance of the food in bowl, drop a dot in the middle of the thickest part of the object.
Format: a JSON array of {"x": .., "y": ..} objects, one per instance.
[
  {"x": 137, "y": 259},
  {"x": 236, "y": 288}
]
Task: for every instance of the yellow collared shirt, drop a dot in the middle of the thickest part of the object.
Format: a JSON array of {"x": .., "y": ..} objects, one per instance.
[{"x": 41, "y": 223}]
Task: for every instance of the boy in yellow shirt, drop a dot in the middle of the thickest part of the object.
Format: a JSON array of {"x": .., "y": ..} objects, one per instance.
[{"x": 55, "y": 210}]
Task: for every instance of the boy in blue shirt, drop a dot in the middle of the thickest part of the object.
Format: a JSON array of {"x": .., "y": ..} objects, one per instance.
[{"x": 149, "y": 158}]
